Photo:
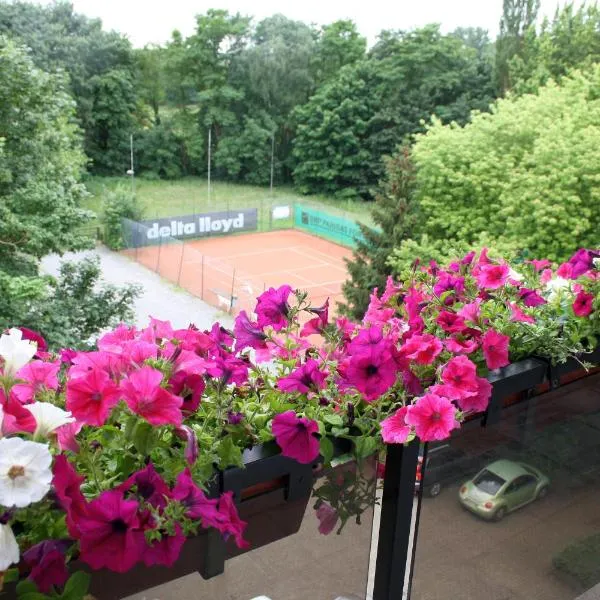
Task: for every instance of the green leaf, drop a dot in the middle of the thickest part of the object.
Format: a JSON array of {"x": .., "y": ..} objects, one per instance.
[
  {"x": 143, "y": 437},
  {"x": 326, "y": 446},
  {"x": 11, "y": 575},
  {"x": 333, "y": 419},
  {"x": 365, "y": 446},
  {"x": 77, "y": 586},
  {"x": 26, "y": 586},
  {"x": 339, "y": 431},
  {"x": 33, "y": 596},
  {"x": 229, "y": 453}
]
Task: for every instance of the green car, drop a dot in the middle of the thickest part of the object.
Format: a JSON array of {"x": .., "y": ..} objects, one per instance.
[{"x": 501, "y": 487}]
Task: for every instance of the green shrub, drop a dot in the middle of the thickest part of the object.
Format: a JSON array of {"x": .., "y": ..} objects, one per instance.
[
  {"x": 579, "y": 562},
  {"x": 118, "y": 204}
]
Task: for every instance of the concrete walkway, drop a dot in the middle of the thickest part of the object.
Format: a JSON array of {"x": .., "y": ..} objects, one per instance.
[{"x": 159, "y": 298}]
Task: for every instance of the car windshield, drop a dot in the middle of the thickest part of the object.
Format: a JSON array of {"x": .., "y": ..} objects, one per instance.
[{"x": 488, "y": 482}]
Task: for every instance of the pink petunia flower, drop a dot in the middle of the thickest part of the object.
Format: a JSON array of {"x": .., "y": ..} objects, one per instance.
[
  {"x": 538, "y": 265},
  {"x": 47, "y": 562},
  {"x": 192, "y": 497},
  {"x": 272, "y": 308},
  {"x": 191, "y": 451},
  {"x": 230, "y": 523},
  {"x": 150, "y": 486},
  {"x": 296, "y": 436},
  {"x": 66, "y": 483},
  {"x": 318, "y": 324},
  {"x": 229, "y": 370},
  {"x": 14, "y": 417},
  {"x": 530, "y": 297},
  {"x": 491, "y": 277},
  {"x": 66, "y": 436},
  {"x": 146, "y": 398},
  {"x": 518, "y": 315},
  {"x": 458, "y": 345},
  {"x": 479, "y": 401},
  {"x": 306, "y": 378},
  {"x": 372, "y": 372},
  {"x": 449, "y": 283},
  {"x": 423, "y": 349},
  {"x": 495, "y": 349},
  {"x": 328, "y": 518},
  {"x": 394, "y": 429},
  {"x": 248, "y": 334},
  {"x": 165, "y": 551},
  {"x": 471, "y": 311},
  {"x": 110, "y": 533},
  {"x": 91, "y": 397},
  {"x": 460, "y": 376},
  {"x": 546, "y": 276},
  {"x": 583, "y": 305},
  {"x": 433, "y": 417},
  {"x": 190, "y": 388},
  {"x": 378, "y": 312},
  {"x": 450, "y": 322},
  {"x": 38, "y": 376},
  {"x": 581, "y": 262}
]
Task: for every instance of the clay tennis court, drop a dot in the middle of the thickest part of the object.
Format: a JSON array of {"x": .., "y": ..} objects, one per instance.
[{"x": 230, "y": 271}]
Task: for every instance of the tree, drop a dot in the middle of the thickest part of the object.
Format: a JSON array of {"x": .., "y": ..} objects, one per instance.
[
  {"x": 94, "y": 60},
  {"x": 523, "y": 177},
  {"x": 151, "y": 77},
  {"x": 374, "y": 106},
  {"x": 339, "y": 44},
  {"x": 518, "y": 18},
  {"x": 570, "y": 41},
  {"x": 394, "y": 218},
  {"x": 41, "y": 163}
]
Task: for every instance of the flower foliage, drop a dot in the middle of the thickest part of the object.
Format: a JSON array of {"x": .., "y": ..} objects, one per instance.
[{"x": 108, "y": 455}]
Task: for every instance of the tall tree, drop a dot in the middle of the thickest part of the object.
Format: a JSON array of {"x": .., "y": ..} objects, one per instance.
[
  {"x": 518, "y": 17},
  {"x": 151, "y": 77}
]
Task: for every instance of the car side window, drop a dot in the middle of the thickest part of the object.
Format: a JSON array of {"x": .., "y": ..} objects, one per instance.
[{"x": 520, "y": 482}]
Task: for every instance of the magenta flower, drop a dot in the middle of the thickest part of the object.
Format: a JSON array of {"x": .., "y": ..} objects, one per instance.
[
  {"x": 450, "y": 322},
  {"x": 530, "y": 297},
  {"x": 38, "y": 375},
  {"x": 449, "y": 283},
  {"x": 48, "y": 565},
  {"x": 194, "y": 500},
  {"x": 191, "y": 451},
  {"x": 117, "y": 337},
  {"x": 165, "y": 551},
  {"x": 66, "y": 484},
  {"x": 248, "y": 334},
  {"x": 328, "y": 518},
  {"x": 433, "y": 417},
  {"x": 467, "y": 259},
  {"x": 157, "y": 330},
  {"x": 372, "y": 372},
  {"x": 460, "y": 377},
  {"x": 91, "y": 397},
  {"x": 14, "y": 417},
  {"x": 378, "y": 312},
  {"x": 190, "y": 388},
  {"x": 146, "y": 398},
  {"x": 272, "y": 308},
  {"x": 423, "y": 349},
  {"x": 66, "y": 436},
  {"x": 110, "y": 533},
  {"x": 394, "y": 429},
  {"x": 306, "y": 378},
  {"x": 538, "y": 265},
  {"x": 471, "y": 311},
  {"x": 495, "y": 349},
  {"x": 37, "y": 337},
  {"x": 583, "y": 305},
  {"x": 518, "y": 315},
  {"x": 149, "y": 485},
  {"x": 581, "y": 262},
  {"x": 479, "y": 401},
  {"x": 295, "y": 436},
  {"x": 318, "y": 324},
  {"x": 221, "y": 337},
  {"x": 229, "y": 370},
  {"x": 458, "y": 345},
  {"x": 492, "y": 276},
  {"x": 230, "y": 523}
]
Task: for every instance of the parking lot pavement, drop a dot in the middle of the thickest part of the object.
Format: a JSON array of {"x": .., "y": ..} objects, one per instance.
[{"x": 460, "y": 556}]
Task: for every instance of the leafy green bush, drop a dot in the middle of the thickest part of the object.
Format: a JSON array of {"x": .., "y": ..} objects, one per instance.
[
  {"x": 158, "y": 153},
  {"x": 580, "y": 562},
  {"x": 118, "y": 204},
  {"x": 524, "y": 177}
]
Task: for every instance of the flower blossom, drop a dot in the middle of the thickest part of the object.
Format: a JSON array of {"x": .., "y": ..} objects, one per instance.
[
  {"x": 306, "y": 378},
  {"x": 248, "y": 334},
  {"x": 328, "y": 518},
  {"x": 38, "y": 375},
  {"x": 16, "y": 351},
  {"x": 47, "y": 562},
  {"x": 583, "y": 305},
  {"x": 48, "y": 418},
  {"x": 423, "y": 349},
  {"x": 318, "y": 324},
  {"x": 296, "y": 436},
  {"x": 495, "y": 349},
  {"x": 433, "y": 417},
  {"x": 394, "y": 429},
  {"x": 272, "y": 308},
  {"x": 372, "y": 372},
  {"x": 491, "y": 277},
  {"x": 91, "y": 397},
  {"x": 9, "y": 549},
  {"x": 460, "y": 377},
  {"x": 25, "y": 473}
]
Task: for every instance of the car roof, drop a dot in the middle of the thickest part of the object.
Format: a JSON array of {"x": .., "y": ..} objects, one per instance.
[{"x": 507, "y": 469}]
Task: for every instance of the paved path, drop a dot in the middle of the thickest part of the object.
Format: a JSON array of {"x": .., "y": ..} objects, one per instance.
[{"x": 159, "y": 299}]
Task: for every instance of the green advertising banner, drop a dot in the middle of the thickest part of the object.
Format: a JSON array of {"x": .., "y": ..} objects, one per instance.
[{"x": 335, "y": 228}]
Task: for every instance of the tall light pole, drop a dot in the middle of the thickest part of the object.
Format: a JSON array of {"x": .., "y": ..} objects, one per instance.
[
  {"x": 209, "y": 151},
  {"x": 272, "y": 159},
  {"x": 131, "y": 171}
]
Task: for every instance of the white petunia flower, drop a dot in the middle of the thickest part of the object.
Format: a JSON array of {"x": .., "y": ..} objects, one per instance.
[
  {"x": 25, "y": 473},
  {"x": 48, "y": 418},
  {"x": 15, "y": 351},
  {"x": 512, "y": 274},
  {"x": 596, "y": 262},
  {"x": 9, "y": 549},
  {"x": 556, "y": 286}
]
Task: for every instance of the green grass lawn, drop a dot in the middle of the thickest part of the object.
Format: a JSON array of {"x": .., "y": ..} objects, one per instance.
[{"x": 190, "y": 195}]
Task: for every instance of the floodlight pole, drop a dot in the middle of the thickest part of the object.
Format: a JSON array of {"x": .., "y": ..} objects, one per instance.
[
  {"x": 131, "y": 161},
  {"x": 272, "y": 159},
  {"x": 209, "y": 151}
]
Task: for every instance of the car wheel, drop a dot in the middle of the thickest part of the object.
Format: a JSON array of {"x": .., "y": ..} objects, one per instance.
[
  {"x": 500, "y": 514},
  {"x": 434, "y": 490},
  {"x": 542, "y": 493}
]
